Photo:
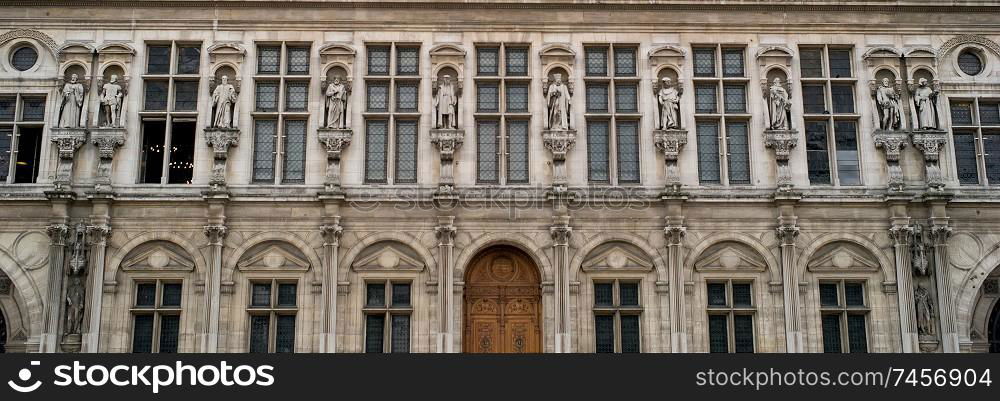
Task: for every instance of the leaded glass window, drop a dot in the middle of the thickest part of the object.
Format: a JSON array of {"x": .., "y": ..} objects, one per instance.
[
  {"x": 391, "y": 156},
  {"x": 169, "y": 331},
  {"x": 732, "y": 62},
  {"x": 848, "y": 163},
  {"x": 961, "y": 114},
  {"x": 284, "y": 341},
  {"x": 970, "y": 63},
  {"x": 156, "y": 317},
  {"x": 857, "y": 333},
  {"x": 188, "y": 59},
  {"x": 407, "y": 60},
  {"x": 271, "y": 310},
  {"x": 730, "y": 316},
  {"x": 831, "y": 334},
  {"x": 517, "y": 151},
  {"x": 32, "y": 108},
  {"x": 617, "y": 312},
  {"x": 298, "y": 60},
  {"x": 743, "y": 333},
  {"x": 488, "y": 165},
  {"x": 401, "y": 294},
  {"x": 280, "y": 119},
  {"x": 817, "y": 152},
  {"x": 24, "y": 58},
  {"x": 708, "y": 153},
  {"x": 814, "y": 99},
  {"x": 596, "y": 61},
  {"x": 392, "y": 320},
  {"x": 376, "y": 148},
  {"x": 267, "y": 96},
  {"x": 142, "y": 334},
  {"x": 517, "y": 61},
  {"x": 738, "y": 155},
  {"x": 487, "y": 61},
  {"x": 7, "y": 108},
  {"x": 158, "y": 60},
  {"x": 811, "y": 62},
  {"x": 840, "y": 63},
  {"x": 156, "y": 95},
  {"x": 295, "y": 152},
  {"x": 628, "y": 151},
  {"x": 259, "y": 331},
  {"x": 406, "y": 97},
  {"x": 6, "y": 136},
  {"x": 597, "y": 150},
  {"x": 186, "y": 95},
  {"x": 378, "y": 60},
  {"x": 296, "y": 96},
  {"x": 488, "y": 98},
  {"x": 704, "y": 62},
  {"x": 406, "y": 151},
  {"x": 735, "y": 98},
  {"x": 989, "y": 113},
  {"x": 626, "y": 98},
  {"x": 977, "y": 142},
  {"x": 630, "y": 334},
  {"x": 705, "y": 99},
  {"x": 991, "y": 148},
  {"x": 374, "y": 333},
  {"x": 629, "y": 293},
  {"x": 378, "y": 96},
  {"x": 625, "y": 62},
  {"x": 604, "y": 332},
  {"x": 965, "y": 157},
  {"x": 831, "y": 121},
  {"x": 844, "y": 315},
  {"x": 718, "y": 332},
  {"x": 843, "y": 98},
  {"x": 597, "y": 98},
  {"x": 604, "y": 294},
  {"x": 517, "y": 98},
  {"x": 268, "y": 59}
]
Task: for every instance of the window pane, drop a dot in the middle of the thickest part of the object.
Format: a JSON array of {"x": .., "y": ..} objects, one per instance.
[
  {"x": 817, "y": 156},
  {"x": 33, "y": 109},
  {"x": 828, "y": 295},
  {"x": 375, "y": 295},
  {"x": 848, "y": 164},
  {"x": 142, "y": 334},
  {"x": 811, "y": 63},
  {"x": 831, "y": 334},
  {"x": 151, "y": 163},
  {"x": 597, "y": 61},
  {"x": 296, "y": 96},
  {"x": 378, "y": 96},
  {"x": 487, "y": 61},
  {"x": 970, "y": 63},
  {"x": 286, "y": 294},
  {"x": 965, "y": 157},
  {"x": 5, "y": 137},
  {"x": 961, "y": 114},
  {"x": 989, "y": 113},
  {"x": 156, "y": 95},
  {"x": 603, "y": 294},
  {"x": 704, "y": 98},
  {"x": 626, "y": 96},
  {"x": 628, "y": 293},
  {"x": 991, "y": 146},
  {"x": 630, "y": 333},
  {"x": 718, "y": 333},
  {"x": 29, "y": 151},
  {"x": 181, "y": 168},
  {"x": 739, "y": 153},
  {"x": 597, "y": 98},
  {"x": 708, "y": 152},
  {"x": 267, "y": 96},
  {"x": 295, "y": 152},
  {"x": 743, "y": 333},
  {"x": 487, "y": 146},
  {"x": 400, "y": 295},
  {"x": 400, "y": 333},
  {"x": 260, "y": 295},
  {"x": 735, "y": 98},
  {"x": 378, "y": 60},
  {"x": 188, "y": 58},
  {"x": 487, "y": 98},
  {"x": 742, "y": 295},
  {"x": 628, "y": 151},
  {"x": 158, "y": 61},
  {"x": 24, "y": 58},
  {"x": 517, "y": 98},
  {"x": 517, "y": 61},
  {"x": 704, "y": 62},
  {"x": 376, "y": 137},
  {"x": 813, "y": 99},
  {"x": 854, "y": 294},
  {"x": 268, "y": 59},
  {"x": 406, "y": 97},
  {"x": 171, "y": 295},
  {"x": 604, "y": 333},
  {"x": 145, "y": 295},
  {"x": 732, "y": 62},
  {"x": 857, "y": 335},
  {"x": 298, "y": 61},
  {"x": 170, "y": 326},
  {"x": 624, "y": 62},
  {"x": 840, "y": 63},
  {"x": 597, "y": 150},
  {"x": 843, "y": 98},
  {"x": 374, "y": 333},
  {"x": 717, "y": 294},
  {"x": 263, "y": 150},
  {"x": 406, "y": 151},
  {"x": 7, "y": 104},
  {"x": 185, "y": 95},
  {"x": 285, "y": 334},
  {"x": 259, "y": 331},
  {"x": 407, "y": 60},
  {"x": 517, "y": 151}
]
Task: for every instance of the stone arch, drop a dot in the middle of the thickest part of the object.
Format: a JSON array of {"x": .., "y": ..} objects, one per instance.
[
  {"x": 25, "y": 294},
  {"x": 966, "y": 40},
  {"x": 114, "y": 263},
  {"x": 773, "y": 268},
  {"x": 873, "y": 52},
  {"x": 774, "y": 51},
  {"x": 659, "y": 265},
  {"x": 34, "y": 35},
  {"x": 969, "y": 291},
  {"x": 316, "y": 265},
  {"x": 517, "y": 240},
  {"x": 769, "y": 72},
  {"x": 886, "y": 265},
  {"x": 349, "y": 257}
]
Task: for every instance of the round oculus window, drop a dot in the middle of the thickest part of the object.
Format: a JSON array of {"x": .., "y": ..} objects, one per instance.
[
  {"x": 24, "y": 58},
  {"x": 970, "y": 63}
]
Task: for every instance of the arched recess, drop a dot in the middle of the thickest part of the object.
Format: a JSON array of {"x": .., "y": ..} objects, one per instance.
[
  {"x": 351, "y": 255},
  {"x": 695, "y": 254},
  {"x": 994, "y": 329},
  {"x": 649, "y": 252},
  {"x": 255, "y": 242},
  {"x": 502, "y": 302},
  {"x": 972, "y": 309},
  {"x": 23, "y": 304},
  {"x": 527, "y": 244},
  {"x": 113, "y": 266},
  {"x": 885, "y": 265}
]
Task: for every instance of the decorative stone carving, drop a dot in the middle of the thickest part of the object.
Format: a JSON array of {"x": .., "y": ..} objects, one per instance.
[
  {"x": 72, "y": 99},
  {"x": 112, "y": 95},
  {"x": 5, "y": 284},
  {"x": 774, "y": 63},
  {"x": 668, "y": 99},
  {"x": 782, "y": 142},
  {"x": 929, "y": 143},
  {"x": 337, "y": 93},
  {"x": 886, "y": 95},
  {"x": 779, "y": 105},
  {"x": 107, "y": 141},
  {"x": 558, "y": 98},
  {"x": 220, "y": 139},
  {"x": 447, "y": 141},
  {"x": 76, "y": 282},
  {"x": 670, "y": 142},
  {"x": 216, "y": 233},
  {"x": 892, "y": 144},
  {"x": 925, "y": 103},
  {"x": 446, "y": 103},
  {"x": 338, "y": 64},
  {"x": 224, "y": 105},
  {"x": 559, "y": 142},
  {"x": 67, "y": 141},
  {"x": 334, "y": 140},
  {"x": 331, "y": 233},
  {"x": 926, "y": 319}
]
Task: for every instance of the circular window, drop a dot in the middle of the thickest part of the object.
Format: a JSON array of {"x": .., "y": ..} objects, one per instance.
[
  {"x": 970, "y": 63},
  {"x": 24, "y": 58}
]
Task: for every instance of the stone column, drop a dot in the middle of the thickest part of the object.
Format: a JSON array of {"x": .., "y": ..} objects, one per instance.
[
  {"x": 940, "y": 233},
  {"x": 674, "y": 232},
  {"x": 216, "y": 234},
  {"x": 787, "y": 232},
  {"x": 901, "y": 235},
  {"x": 561, "y": 233},
  {"x": 58, "y": 233},
  {"x": 331, "y": 260},
  {"x": 445, "y": 232},
  {"x": 98, "y": 235}
]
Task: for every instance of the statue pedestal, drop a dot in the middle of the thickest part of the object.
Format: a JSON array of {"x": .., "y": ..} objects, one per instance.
[
  {"x": 107, "y": 140},
  {"x": 220, "y": 139},
  {"x": 67, "y": 141},
  {"x": 559, "y": 142},
  {"x": 447, "y": 141},
  {"x": 334, "y": 140},
  {"x": 670, "y": 142},
  {"x": 71, "y": 343},
  {"x": 782, "y": 142},
  {"x": 892, "y": 144},
  {"x": 929, "y": 142}
]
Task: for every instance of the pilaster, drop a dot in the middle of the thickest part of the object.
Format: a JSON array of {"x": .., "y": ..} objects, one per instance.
[
  {"x": 445, "y": 232},
  {"x": 561, "y": 232}
]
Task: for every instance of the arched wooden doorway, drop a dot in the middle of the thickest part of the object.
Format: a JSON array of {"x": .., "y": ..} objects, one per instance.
[
  {"x": 994, "y": 328},
  {"x": 503, "y": 303}
]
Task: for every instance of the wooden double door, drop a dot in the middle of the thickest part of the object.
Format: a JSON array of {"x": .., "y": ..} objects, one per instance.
[{"x": 503, "y": 303}]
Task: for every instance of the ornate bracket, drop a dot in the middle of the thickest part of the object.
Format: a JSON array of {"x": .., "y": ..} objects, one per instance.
[
  {"x": 782, "y": 142},
  {"x": 67, "y": 141},
  {"x": 670, "y": 142},
  {"x": 447, "y": 141},
  {"x": 559, "y": 142},
  {"x": 929, "y": 143},
  {"x": 220, "y": 139},
  {"x": 107, "y": 140},
  {"x": 334, "y": 141},
  {"x": 892, "y": 144}
]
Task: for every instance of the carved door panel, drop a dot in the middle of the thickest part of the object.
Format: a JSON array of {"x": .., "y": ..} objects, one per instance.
[{"x": 502, "y": 304}]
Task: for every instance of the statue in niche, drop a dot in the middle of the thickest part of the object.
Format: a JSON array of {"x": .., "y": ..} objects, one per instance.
[
  {"x": 924, "y": 99},
  {"x": 557, "y": 97},
  {"x": 72, "y": 103},
  {"x": 778, "y": 105},
  {"x": 925, "y": 311},
  {"x": 75, "y": 290},
  {"x": 336, "y": 104},
  {"x": 223, "y": 100},
  {"x": 669, "y": 99},
  {"x": 446, "y": 104},
  {"x": 888, "y": 105},
  {"x": 111, "y": 102}
]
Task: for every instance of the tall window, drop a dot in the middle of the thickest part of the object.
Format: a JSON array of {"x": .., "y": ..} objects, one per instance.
[
  {"x": 722, "y": 118},
  {"x": 156, "y": 316},
  {"x": 387, "y": 313},
  {"x": 502, "y": 114},
  {"x": 976, "y": 131},
  {"x": 281, "y": 113},
  {"x": 617, "y": 308},
  {"x": 22, "y": 119},
  {"x": 392, "y": 93},
  {"x": 612, "y": 113},
  {"x": 730, "y": 316},
  {"x": 169, "y": 113},
  {"x": 830, "y": 117},
  {"x": 844, "y": 313},
  {"x": 272, "y": 316}
]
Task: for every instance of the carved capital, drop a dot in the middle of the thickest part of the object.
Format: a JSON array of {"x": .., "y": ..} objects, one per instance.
[
  {"x": 891, "y": 143},
  {"x": 58, "y": 234},
  {"x": 901, "y": 234},
  {"x": 334, "y": 141},
  {"x": 445, "y": 234},
  {"x": 559, "y": 142},
  {"x": 216, "y": 233},
  {"x": 331, "y": 233},
  {"x": 787, "y": 233},
  {"x": 67, "y": 142},
  {"x": 670, "y": 142},
  {"x": 561, "y": 234},
  {"x": 940, "y": 234},
  {"x": 107, "y": 141},
  {"x": 674, "y": 234},
  {"x": 782, "y": 141},
  {"x": 220, "y": 139},
  {"x": 929, "y": 143},
  {"x": 98, "y": 233},
  {"x": 447, "y": 141}
]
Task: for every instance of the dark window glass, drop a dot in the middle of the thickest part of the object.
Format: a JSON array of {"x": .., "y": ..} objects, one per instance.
[
  {"x": 732, "y": 62},
  {"x": 814, "y": 99},
  {"x": 33, "y": 109},
  {"x": 487, "y": 98},
  {"x": 629, "y": 294},
  {"x": 296, "y": 96},
  {"x": 848, "y": 164},
  {"x": 487, "y": 61},
  {"x": 630, "y": 334},
  {"x": 145, "y": 295},
  {"x": 596, "y": 61},
  {"x": 286, "y": 294},
  {"x": 407, "y": 60},
  {"x": 374, "y": 333},
  {"x": 597, "y": 98},
  {"x": 185, "y": 95},
  {"x": 970, "y": 63},
  {"x": 295, "y": 152},
  {"x": 406, "y": 97},
  {"x": 406, "y": 151},
  {"x": 298, "y": 61},
  {"x": 624, "y": 62},
  {"x": 603, "y": 294},
  {"x": 597, "y": 150},
  {"x": 264, "y": 150},
  {"x": 170, "y": 326},
  {"x": 817, "y": 156},
  {"x": 735, "y": 98},
  {"x": 181, "y": 153},
  {"x": 267, "y": 96},
  {"x": 517, "y": 151},
  {"x": 840, "y": 63},
  {"x": 260, "y": 295},
  {"x": 828, "y": 295},
  {"x": 171, "y": 295},
  {"x": 378, "y": 96},
  {"x": 259, "y": 332},
  {"x": 285, "y": 334},
  {"x": 704, "y": 62},
  {"x": 991, "y": 146},
  {"x": 843, "y": 98},
  {"x": 708, "y": 152},
  {"x": 375, "y": 295},
  {"x": 29, "y": 154},
  {"x": 742, "y": 295},
  {"x": 718, "y": 333},
  {"x": 517, "y": 61},
  {"x": 831, "y": 334},
  {"x": 24, "y": 58},
  {"x": 965, "y": 157},
  {"x": 400, "y": 333},
  {"x": 604, "y": 333},
  {"x": 376, "y": 138},
  {"x": 989, "y": 113},
  {"x": 158, "y": 61},
  {"x": 857, "y": 335},
  {"x": 151, "y": 165},
  {"x": 268, "y": 59},
  {"x": 156, "y": 95},
  {"x": 739, "y": 153},
  {"x": 743, "y": 333},
  {"x": 142, "y": 334},
  {"x": 400, "y": 295},
  {"x": 628, "y": 151},
  {"x": 854, "y": 294},
  {"x": 517, "y": 98},
  {"x": 811, "y": 63},
  {"x": 961, "y": 114},
  {"x": 378, "y": 60},
  {"x": 487, "y": 145},
  {"x": 705, "y": 98},
  {"x": 626, "y": 96},
  {"x": 5, "y": 138},
  {"x": 188, "y": 59},
  {"x": 717, "y": 294},
  {"x": 7, "y": 105}
]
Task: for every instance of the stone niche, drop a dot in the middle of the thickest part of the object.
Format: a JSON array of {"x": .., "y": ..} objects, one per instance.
[
  {"x": 447, "y": 132},
  {"x": 929, "y": 139},
  {"x": 69, "y": 131},
  {"x": 114, "y": 61},
  {"x": 886, "y": 111},
  {"x": 670, "y": 135},
  {"x": 774, "y": 63},
  {"x": 557, "y": 64},
  {"x": 222, "y": 130},
  {"x": 336, "y": 130}
]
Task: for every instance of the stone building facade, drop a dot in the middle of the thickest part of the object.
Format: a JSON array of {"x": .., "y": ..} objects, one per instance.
[{"x": 476, "y": 176}]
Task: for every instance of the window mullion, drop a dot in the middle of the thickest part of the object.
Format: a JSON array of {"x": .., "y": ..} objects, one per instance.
[{"x": 279, "y": 147}]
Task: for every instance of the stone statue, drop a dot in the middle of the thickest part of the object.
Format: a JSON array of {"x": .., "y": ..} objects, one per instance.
[
  {"x": 669, "y": 100},
  {"x": 778, "y": 105},
  {"x": 924, "y": 97},
  {"x": 925, "y": 311},
  {"x": 557, "y": 97},
  {"x": 336, "y": 104},
  {"x": 446, "y": 104},
  {"x": 111, "y": 102},
  {"x": 75, "y": 290},
  {"x": 72, "y": 103},
  {"x": 888, "y": 105},
  {"x": 223, "y": 100}
]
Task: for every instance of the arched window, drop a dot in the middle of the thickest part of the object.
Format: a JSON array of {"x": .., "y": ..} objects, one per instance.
[
  {"x": 618, "y": 286},
  {"x": 157, "y": 291},
  {"x": 388, "y": 278},
  {"x": 273, "y": 273}
]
